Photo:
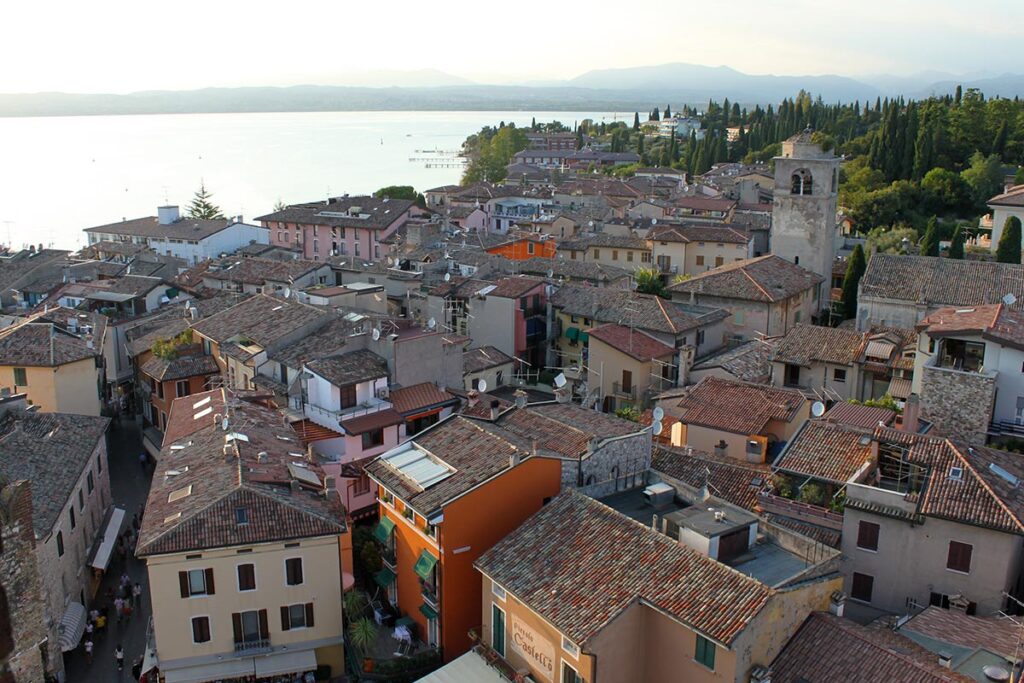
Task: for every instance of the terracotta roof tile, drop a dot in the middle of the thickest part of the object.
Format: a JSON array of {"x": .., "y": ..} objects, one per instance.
[
  {"x": 631, "y": 342},
  {"x": 475, "y": 360},
  {"x": 181, "y": 366},
  {"x": 374, "y": 213},
  {"x": 997, "y": 634},
  {"x": 728, "y": 478},
  {"x": 579, "y": 564},
  {"x": 350, "y": 368},
  {"x": 765, "y": 278},
  {"x": 263, "y": 318},
  {"x": 855, "y": 415},
  {"x": 807, "y": 344},
  {"x": 997, "y": 322},
  {"x": 827, "y": 451},
  {"x": 564, "y": 428},
  {"x": 738, "y": 407},
  {"x": 941, "y": 281},
  {"x": 649, "y": 312},
  {"x": 748, "y": 362},
  {"x": 409, "y": 400},
  {"x": 372, "y": 421}
]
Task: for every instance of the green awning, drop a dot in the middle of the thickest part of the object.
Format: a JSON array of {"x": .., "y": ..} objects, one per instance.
[
  {"x": 584, "y": 337},
  {"x": 428, "y": 611},
  {"x": 383, "y": 530},
  {"x": 425, "y": 565},
  {"x": 171, "y": 292},
  {"x": 573, "y": 333},
  {"x": 404, "y": 621},
  {"x": 384, "y": 578}
]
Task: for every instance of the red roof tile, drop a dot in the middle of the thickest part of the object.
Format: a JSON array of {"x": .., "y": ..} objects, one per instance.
[
  {"x": 631, "y": 342},
  {"x": 827, "y": 451},
  {"x": 372, "y": 421},
  {"x": 408, "y": 400},
  {"x": 738, "y": 407}
]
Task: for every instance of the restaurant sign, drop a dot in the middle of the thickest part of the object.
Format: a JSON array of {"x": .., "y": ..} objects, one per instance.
[{"x": 540, "y": 653}]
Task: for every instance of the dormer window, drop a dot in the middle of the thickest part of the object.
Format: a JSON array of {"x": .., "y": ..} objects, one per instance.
[
  {"x": 956, "y": 473},
  {"x": 242, "y": 515}
]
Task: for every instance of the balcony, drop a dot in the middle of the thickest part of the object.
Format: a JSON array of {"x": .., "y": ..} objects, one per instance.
[
  {"x": 250, "y": 647},
  {"x": 332, "y": 419},
  {"x": 628, "y": 392},
  {"x": 430, "y": 594},
  {"x": 494, "y": 660}
]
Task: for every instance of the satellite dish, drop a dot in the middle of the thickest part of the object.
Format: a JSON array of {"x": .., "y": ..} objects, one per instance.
[
  {"x": 375, "y": 334},
  {"x": 287, "y": 292},
  {"x": 1009, "y": 299},
  {"x": 447, "y": 277},
  {"x": 481, "y": 385},
  {"x": 657, "y": 429},
  {"x": 551, "y": 273},
  {"x": 654, "y": 221},
  {"x": 431, "y": 324},
  {"x": 658, "y": 413},
  {"x": 817, "y": 409},
  {"x": 560, "y": 380}
]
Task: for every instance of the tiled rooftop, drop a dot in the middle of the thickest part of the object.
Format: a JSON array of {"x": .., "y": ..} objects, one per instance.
[
  {"x": 648, "y": 312},
  {"x": 262, "y": 318},
  {"x": 353, "y": 367},
  {"x": 634, "y": 343},
  {"x": 996, "y": 322},
  {"x": 46, "y": 340},
  {"x": 409, "y": 400},
  {"x": 51, "y": 450},
  {"x": 374, "y": 213},
  {"x": 564, "y": 428},
  {"x": 185, "y": 228},
  {"x": 748, "y": 362},
  {"x": 807, "y": 344},
  {"x": 764, "y": 278},
  {"x": 578, "y": 564},
  {"x": 479, "y": 359},
  {"x": 738, "y": 407},
  {"x": 941, "y": 281},
  {"x": 727, "y": 478},
  {"x": 827, "y": 451},
  {"x": 190, "y": 363}
]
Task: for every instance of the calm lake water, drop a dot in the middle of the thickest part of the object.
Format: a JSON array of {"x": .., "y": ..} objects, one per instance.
[{"x": 62, "y": 174}]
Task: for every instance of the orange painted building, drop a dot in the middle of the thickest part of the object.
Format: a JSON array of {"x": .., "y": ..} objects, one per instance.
[
  {"x": 444, "y": 499},
  {"x": 165, "y": 379},
  {"x": 522, "y": 248}
]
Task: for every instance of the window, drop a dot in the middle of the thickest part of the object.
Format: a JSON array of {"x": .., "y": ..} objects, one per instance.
[
  {"x": 700, "y": 260},
  {"x": 293, "y": 571},
  {"x": 738, "y": 317},
  {"x": 361, "y": 485},
  {"x": 529, "y": 247},
  {"x": 569, "y": 674},
  {"x": 861, "y": 587},
  {"x": 196, "y": 582},
  {"x": 348, "y": 396},
  {"x": 60, "y": 544},
  {"x": 81, "y": 500},
  {"x": 705, "y": 652},
  {"x": 959, "y": 558},
  {"x": 597, "y": 254},
  {"x": 241, "y": 515},
  {"x": 498, "y": 629},
  {"x": 867, "y": 536},
  {"x": 296, "y": 616},
  {"x": 250, "y": 627},
  {"x": 839, "y": 375},
  {"x": 71, "y": 516},
  {"x": 90, "y": 482},
  {"x": 498, "y": 591},
  {"x": 246, "y": 577},
  {"x": 629, "y": 256},
  {"x": 796, "y": 260},
  {"x": 570, "y": 647},
  {"x": 719, "y": 261},
  {"x": 20, "y": 378},
  {"x": 159, "y": 388},
  {"x": 615, "y": 254},
  {"x": 200, "y": 629},
  {"x": 373, "y": 438},
  {"x": 181, "y": 388},
  {"x": 645, "y": 257}
]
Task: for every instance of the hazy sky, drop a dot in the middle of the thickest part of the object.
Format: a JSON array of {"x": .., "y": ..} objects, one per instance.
[{"x": 121, "y": 46}]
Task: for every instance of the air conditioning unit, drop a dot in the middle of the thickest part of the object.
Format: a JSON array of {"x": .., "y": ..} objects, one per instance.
[{"x": 382, "y": 392}]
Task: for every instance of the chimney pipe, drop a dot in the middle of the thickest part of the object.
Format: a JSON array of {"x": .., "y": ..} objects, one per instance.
[
  {"x": 472, "y": 398},
  {"x": 495, "y": 407},
  {"x": 911, "y": 414},
  {"x": 837, "y": 603},
  {"x": 945, "y": 660}
]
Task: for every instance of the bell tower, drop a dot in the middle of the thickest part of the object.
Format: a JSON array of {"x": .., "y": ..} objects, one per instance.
[{"x": 804, "y": 208}]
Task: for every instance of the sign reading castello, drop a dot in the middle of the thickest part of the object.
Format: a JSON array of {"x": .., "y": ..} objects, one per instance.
[{"x": 540, "y": 653}]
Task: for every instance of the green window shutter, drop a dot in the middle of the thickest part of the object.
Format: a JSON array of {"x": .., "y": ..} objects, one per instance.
[
  {"x": 384, "y": 578},
  {"x": 705, "y": 653},
  {"x": 384, "y": 529},
  {"x": 428, "y": 611},
  {"x": 572, "y": 333},
  {"x": 424, "y": 565},
  {"x": 498, "y": 630},
  {"x": 584, "y": 337}
]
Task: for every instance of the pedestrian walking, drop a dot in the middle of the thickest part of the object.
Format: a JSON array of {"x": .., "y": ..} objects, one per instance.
[
  {"x": 127, "y": 611},
  {"x": 119, "y": 657},
  {"x": 125, "y": 579},
  {"x": 101, "y": 622},
  {"x": 137, "y": 669},
  {"x": 136, "y": 594},
  {"x": 143, "y": 460},
  {"x": 93, "y": 614},
  {"x": 88, "y": 630},
  {"x": 119, "y": 608},
  {"x": 88, "y": 651}
]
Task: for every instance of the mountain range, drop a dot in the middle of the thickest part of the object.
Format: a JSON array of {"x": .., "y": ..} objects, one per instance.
[{"x": 627, "y": 89}]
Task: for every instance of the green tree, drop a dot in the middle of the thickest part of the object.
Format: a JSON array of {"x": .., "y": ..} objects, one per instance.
[
  {"x": 1018, "y": 177},
  {"x": 984, "y": 176},
  {"x": 1008, "y": 250},
  {"x": 855, "y": 268},
  {"x": 929, "y": 244},
  {"x": 648, "y": 281},
  {"x": 396, "y": 192},
  {"x": 636, "y": 121},
  {"x": 362, "y": 633},
  {"x": 489, "y": 156},
  {"x": 640, "y": 146},
  {"x": 946, "y": 191},
  {"x": 956, "y": 248},
  {"x": 668, "y": 111},
  {"x": 201, "y": 206}
]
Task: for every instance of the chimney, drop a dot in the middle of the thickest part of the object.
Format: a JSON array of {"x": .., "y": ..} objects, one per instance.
[
  {"x": 520, "y": 397},
  {"x": 945, "y": 660},
  {"x": 760, "y": 674},
  {"x": 293, "y": 484},
  {"x": 495, "y": 407},
  {"x": 167, "y": 215},
  {"x": 472, "y": 398},
  {"x": 911, "y": 414},
  {"x": 837, "y": 603},
  {"x": 513, "y": 460}
]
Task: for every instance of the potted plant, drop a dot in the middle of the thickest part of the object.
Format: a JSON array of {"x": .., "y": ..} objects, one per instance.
[{"x": 362, "y": 634}]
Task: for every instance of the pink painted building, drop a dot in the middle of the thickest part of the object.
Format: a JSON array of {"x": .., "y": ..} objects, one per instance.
[{"x": 339, "y": 226}]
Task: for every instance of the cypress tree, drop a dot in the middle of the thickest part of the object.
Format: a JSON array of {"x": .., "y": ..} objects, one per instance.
[
  {"x": 929, "y": 244},
  {"x": 668, "y": 111},
  {"x": 956, "y": 249},
  {"x": 640, "y": 146},
  {"x": 999, "y": 143},
  {"x": 636, "y": 121},
  {"x": 1008, "y": 250},
  {"x": 855, "y": 268}
]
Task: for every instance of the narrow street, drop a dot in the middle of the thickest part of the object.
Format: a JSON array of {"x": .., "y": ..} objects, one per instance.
[{"x": 129, "y": 485}]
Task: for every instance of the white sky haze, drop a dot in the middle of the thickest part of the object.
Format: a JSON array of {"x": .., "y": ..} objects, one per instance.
[{"x": 124, "y": 46}]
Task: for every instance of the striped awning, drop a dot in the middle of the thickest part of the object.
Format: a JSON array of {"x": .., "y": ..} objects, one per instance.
[
  {"x": 879, "y": 349},
  {"x": 72, "y": 626},
  {"x": 899, "y": 388}
]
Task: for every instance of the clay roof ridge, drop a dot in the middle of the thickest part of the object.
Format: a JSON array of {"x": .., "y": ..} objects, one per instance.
[
  {"x": 671, "y": 324},
  {"x": 967, "y": 464},
  {"x": 853, "y": 632}
]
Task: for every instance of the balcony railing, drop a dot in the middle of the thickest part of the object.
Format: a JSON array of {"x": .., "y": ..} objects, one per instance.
[
  {"x": 250, "y": 646},
  {"x": 625, "y": 392},
  {"x": 430, "y": 593},
  {"x": 332, "y": 419}
]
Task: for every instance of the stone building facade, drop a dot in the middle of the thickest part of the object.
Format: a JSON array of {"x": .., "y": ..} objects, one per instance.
[
  {"x": 19, "y": 576},
  {"x": 617, "y": 465},
  {"x": 958, "y": 403}
]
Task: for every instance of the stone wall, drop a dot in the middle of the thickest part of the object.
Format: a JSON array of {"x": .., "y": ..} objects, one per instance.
[
  {"x": 22, "y": 584},
  {"x": 618, "y": 465},
  {"x": 958, "y": 403}
]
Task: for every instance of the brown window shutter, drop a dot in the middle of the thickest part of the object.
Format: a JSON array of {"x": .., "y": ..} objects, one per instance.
[
  {"x": 309, "y": 615},
  {"x": 183, "y": 583},
  {"x": 264, "y": 627},
  {"x": 286, "y": 623},
  {"x": 209, "y": 581},
  {"x": 236, "y": 624}
]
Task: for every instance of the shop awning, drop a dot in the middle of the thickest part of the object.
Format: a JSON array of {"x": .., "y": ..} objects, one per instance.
[
  {"x": 72, "y": 626},
  {"x": 428, "y": 611},
  {"x": 106, "y": 547},
  {"x": 425, "y": 565},
  {"x": 899, "y": 388},
  {"x": 469, "y": 668},
  {"x": 384, "y": 529},
  {"x": 384, "y": 578},
  {"x": 573, "y": 333},
  {"x": 230, "y": 668},
  {"x": 286, "y": 663}
]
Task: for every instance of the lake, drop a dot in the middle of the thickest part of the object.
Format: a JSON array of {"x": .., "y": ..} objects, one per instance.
[{"x": 61, "y": 174}]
